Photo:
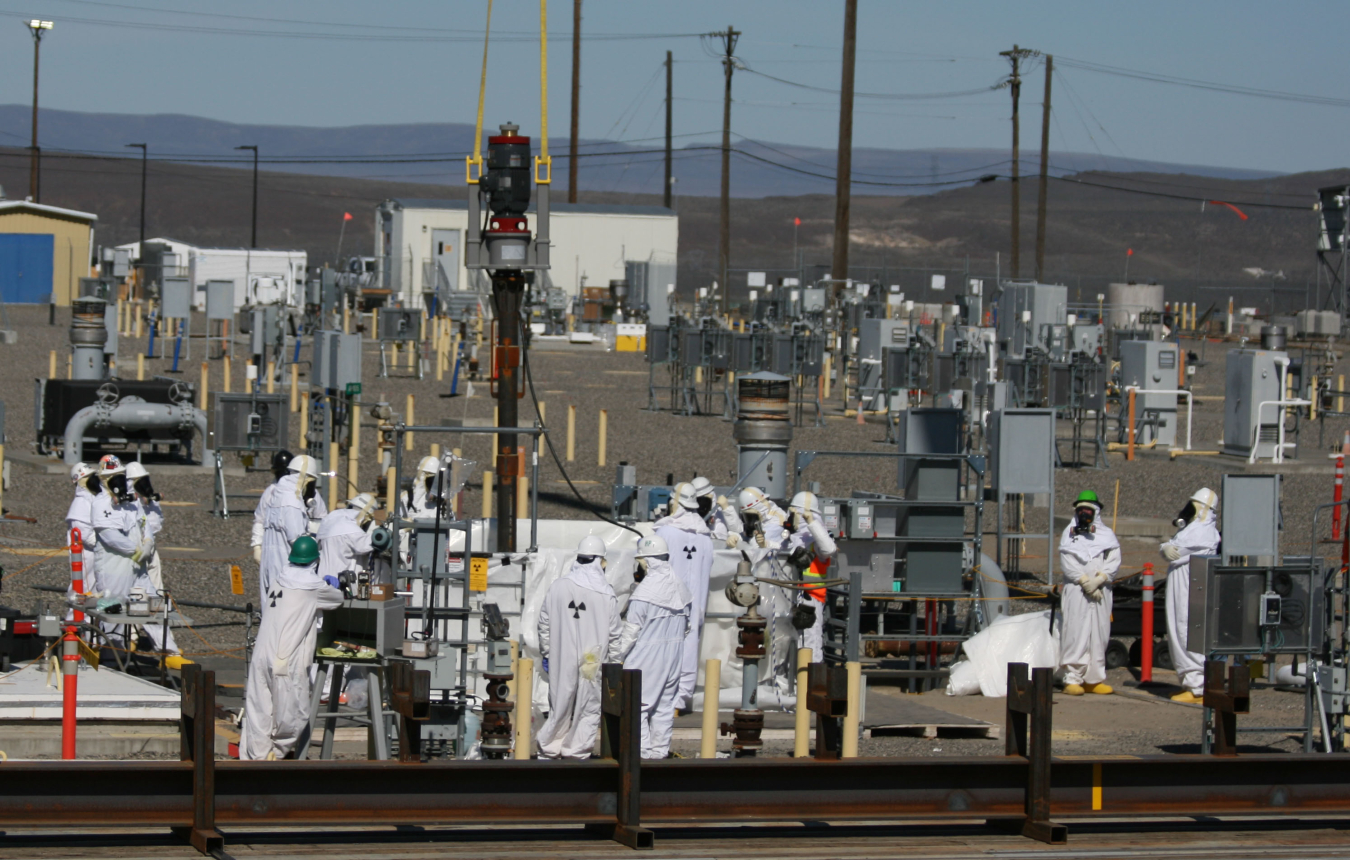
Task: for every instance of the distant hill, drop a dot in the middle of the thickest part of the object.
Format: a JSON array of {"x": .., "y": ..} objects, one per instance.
[{"x": 433, "y": 153}]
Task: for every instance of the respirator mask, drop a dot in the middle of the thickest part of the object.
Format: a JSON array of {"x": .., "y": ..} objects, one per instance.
[
  {"x": 750, "y": 521},
  {"x": 640, "y": 570},
  {"x": 118, "y": 485},
  {"x": 143, "y": 487},
  {"x": 1186, "y": 517},
  {"x": 311, "y": 487},
  {"x": 92, "y": 484},
  {"x": 705, "y": 504},
  {"x": 1084, "y": 520}
]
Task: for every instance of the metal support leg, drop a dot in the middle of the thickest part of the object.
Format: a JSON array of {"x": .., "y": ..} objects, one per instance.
[
  {"x": 621, "y": 739},
  {"x": 410, "y": 698},
  {"x": 1225, "y": 703},
  {"x": 330, "y": 714},
  {"x": 379, "y": 732},
  {"x": 198, "y": 745},
  {"x": 1028, "y": 735},
  {"x": 316, "y": 696}
]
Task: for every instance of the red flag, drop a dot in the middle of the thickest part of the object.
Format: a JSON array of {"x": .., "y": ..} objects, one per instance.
[
  {"x": 346, "y": 216},
  {"x": 1240, "y": 213},
  {"x": 1129, "y": 252},
  {"x": 797, "y": 222}
]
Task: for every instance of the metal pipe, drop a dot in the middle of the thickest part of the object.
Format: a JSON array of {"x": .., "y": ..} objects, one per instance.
[
  {"x": 801, "y": 735},
  {"x": 134, "y": 413},
  {"x": 853, "y": 715},
  {"x": 712, "y": 685}
]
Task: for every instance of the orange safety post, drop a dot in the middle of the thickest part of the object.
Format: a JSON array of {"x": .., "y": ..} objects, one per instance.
[
  {"x": 1146, "y": 628},
  {"x": 70, "y": 650},
  {"x": 1129, "y": 451},
  {"x": 1336, "y": 497},
  {"x": 77, "y": 567}
]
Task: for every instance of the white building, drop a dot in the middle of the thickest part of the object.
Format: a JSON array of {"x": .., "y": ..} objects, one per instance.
[
  {"x": 419, "y": 242},
  {"x": 260, "y": 276}
]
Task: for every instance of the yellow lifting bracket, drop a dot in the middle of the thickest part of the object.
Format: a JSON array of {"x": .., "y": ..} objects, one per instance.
[
  {"x": 543, "y": 159},
  {"x": 477, "y": 158}
]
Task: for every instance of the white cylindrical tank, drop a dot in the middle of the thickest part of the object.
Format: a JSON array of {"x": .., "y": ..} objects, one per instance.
[{"x": 1125, "y": 301}]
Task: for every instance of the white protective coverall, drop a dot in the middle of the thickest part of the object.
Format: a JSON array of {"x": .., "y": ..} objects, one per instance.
[
  {"x": 316, "y": 507},
  {"x": 149, "y": 574},
  {"x": 691, "y": 556},
  {"x": 1087, "y": 619},
  {"x": 808, "y": 535},
  {"x": 1198, "y": 537},
  {"x": 653, "y": 641},
  {"x": 287, "y": 519},
  {"x": 277, "y": 694},
  {"x": 725, "y": 521},
  {"x": 579, "y": 629},
  {"x": 343, "y": 544},
  {"x": 118, "y": 537},
  {"x": 80, "y": 516}
]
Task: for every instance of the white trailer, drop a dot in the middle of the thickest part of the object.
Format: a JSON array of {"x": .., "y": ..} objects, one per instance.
[{"x": 259, "y": 276}]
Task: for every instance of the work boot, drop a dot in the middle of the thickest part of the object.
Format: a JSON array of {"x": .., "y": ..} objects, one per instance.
[
  {"x": 1073, "y": 689},
  {"x": 176, "y": 661},
  {"x": 1099, "y": 689},
  {"x": 1186, "y": 697}
]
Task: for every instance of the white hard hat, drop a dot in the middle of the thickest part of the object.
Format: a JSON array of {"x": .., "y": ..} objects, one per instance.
[
  {"x": 304, "y": 463},
  {"x": 363, "y": 502},
  {"x": 750, "y": 497},
  {"x": 428, "y": 466},
  {"x": 592, "y": 546},
  {"x": 805, "y": 502},
  {"x": 1206, "y": 497},
  {"x": 686, "y": 497},
  {"x": 135, "y": 471},
  {"x": 109, "y": 465},
  {"x": 703, "y": 488},
  {"x": 80, "y": 471},
  {"x": 652, "y": 545}
]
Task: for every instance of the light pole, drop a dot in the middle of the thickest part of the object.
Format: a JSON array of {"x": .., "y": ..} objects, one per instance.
[
  {"x": 254, "y": 243},
  {"x": 142, "y": 148},
  {"x": 34, "y": 183}
]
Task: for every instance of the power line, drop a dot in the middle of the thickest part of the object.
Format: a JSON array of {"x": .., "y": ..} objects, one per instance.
[
  {"x": 887, "y": 96},
  {"x": 1212, "y": 86}
]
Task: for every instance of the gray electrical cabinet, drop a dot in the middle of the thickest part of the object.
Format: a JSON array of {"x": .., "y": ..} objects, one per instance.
[
  {"x": 337, "y": 360},
  {"x": 264, "y": 328},
  {"x": 400, "y": 324},
  {"x": 1021, "y": 445},
  {"x": 249, "y": 422},
  {"x": 874, "y": 336},
  {"x": 176, "y": 299},
  {"x": 220, "y": 300},
  {"x": 1252, "y": 378},
  {"x": 1026, "y": 310},
  {"x": 1254, "y": 610},
  {"x": 110, "y": 325},
  {"x": 1087, "y": 339},
  {"x": 813, "y": 300},
  {"x": 930, "y": 565},
  {"x": 1250, "y": 518},
  {"x": 1152, "y": 365}
]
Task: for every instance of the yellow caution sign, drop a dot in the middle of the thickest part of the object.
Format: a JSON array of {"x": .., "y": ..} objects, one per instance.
[
  {"x": 478, "y": 574},
  {"x": 236, "y": 579},
  {"x": 89, "y": 654}
]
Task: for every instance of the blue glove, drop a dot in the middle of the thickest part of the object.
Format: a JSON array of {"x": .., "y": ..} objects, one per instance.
[
  {"x": 333, "y": 581},
  {"x": 545, "y": 665}
]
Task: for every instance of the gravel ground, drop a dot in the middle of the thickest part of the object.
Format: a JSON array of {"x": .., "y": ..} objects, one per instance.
[{"x": 657, "y": 442}]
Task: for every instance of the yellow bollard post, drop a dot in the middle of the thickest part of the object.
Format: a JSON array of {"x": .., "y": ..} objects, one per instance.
[
  {"x": 523, "y": 497},
  {"x": 496, "y": 422},
  {"x": 354, "y": 453},
  {"x": 542, "y": 419},
  {"x": 522, "y": 716},
  {"x": 825, "y": 375},
  {"x": 304, "y": 423},
  {"x": 801, "y": 736},
  {"x": 440, "y": 359},
  {"x": 850, "y": 744},
  {"x": 334, "y": 481},
  {"x": 140, "y": 367},
  {"x": 70, "y": 370},
  {"x": 698, "y": 375},
  {"x": 604, "y": 430},
  {"x": 712, "y": 680},
  {"x": 51, "y": 365},
  {"x": 271, "y": 374},
  {"x": 225, "y": 368},
  {"x": 571, "y": 432},
  {"x": 435, "y": 450},
  {"x": 295, "y": 389},
  {"x": 139, "y": 319},
  {"x": 408, "y": 437},
  {"x": 487, "y": 494},
  {"x": 393, "y": 355},
  {"x": 206, "y": 379},
  {"x": 346, "y": 319},
  {"x": 414, "y": 350},
  {"x": 390, "y": 489}
]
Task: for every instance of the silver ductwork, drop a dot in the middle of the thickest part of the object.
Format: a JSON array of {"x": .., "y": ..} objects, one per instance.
[
  {"x": 88, "y": 335},
  {"x": 763, "y": 431}
]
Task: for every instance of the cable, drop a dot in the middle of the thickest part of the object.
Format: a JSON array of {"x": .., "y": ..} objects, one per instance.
[
  {"x": 1193, "y": 83},
  {"x": 888, "y": 96},
  {"x": 529, "y": 379},
  {"x": 1190, "y": 198}
]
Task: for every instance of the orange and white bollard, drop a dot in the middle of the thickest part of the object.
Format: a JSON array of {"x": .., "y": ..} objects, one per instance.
[
  {"x": 1336, "y": 498},
  {"x": 1146, "y": 628},
  {"x": 77, "y": 567},
  {"x": 70, "y": 650}
]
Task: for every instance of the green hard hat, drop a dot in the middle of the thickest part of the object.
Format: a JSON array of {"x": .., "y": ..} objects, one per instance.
[
  {"x": 1087, "y": 497},
  {"x": 305, "y": 550}
]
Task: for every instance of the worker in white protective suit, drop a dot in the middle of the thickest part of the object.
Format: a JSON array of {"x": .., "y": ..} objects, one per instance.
[
  {"x": 117, "y": 530},
  {"x": 810, "y": 549},
  {"x": 281, "y": 467},
  {"x": 287, "y": 519},
  {"x": 703, "y": 492},
  {"x": 655, "y": 627},
  {"x": 418, "y": 501},
  {"x": 344, "y": 537},
  {"x": 277, "y": 695},
  {"x": 691, "y": 556},
  {"x": 579, "y": 629},
  {"x": 1089, "y": 556},
  {"x": 80, "y": 515},
  {"x": 149, "y": 573},
  {"x": 764, "y": 524},
  {"x": 1196, "y": 535}
]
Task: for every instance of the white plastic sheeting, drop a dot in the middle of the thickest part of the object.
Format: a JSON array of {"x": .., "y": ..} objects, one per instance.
[{"x": 1012, "y": 639}]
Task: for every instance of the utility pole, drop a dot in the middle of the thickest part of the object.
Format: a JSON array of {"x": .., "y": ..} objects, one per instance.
[
  {"x": 665, "y": 194},
  {"x": 34, "y": 175},
  {"x": 730, "y": 37},
  {"x": 1015, "y": 56},
  {"x": 1045, "y": 169},
  {"x": 142, "y": 147},
  {"x": 254, "y": 242},
  {"x": 576, "y": 102},
  {"x": 843, "y": 171}
]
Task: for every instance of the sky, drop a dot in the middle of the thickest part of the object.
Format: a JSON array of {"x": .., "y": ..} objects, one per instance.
[{"x": 341, "y": 62}]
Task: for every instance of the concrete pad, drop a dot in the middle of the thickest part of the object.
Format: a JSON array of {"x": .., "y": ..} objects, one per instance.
[{"x": 102, "y": 695}]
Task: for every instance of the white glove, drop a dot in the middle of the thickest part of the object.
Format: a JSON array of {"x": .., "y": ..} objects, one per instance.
[
  {"x": 1092, "y": 585},
  {"x": 808, "y": 517},
  {"x": 257, "y": 554},
  {"x": 762, "y": 541},
  {"x": 722, "y": 502},
  {"x": 1170, "y": 551},
  {"x": 733, "y": 540}
]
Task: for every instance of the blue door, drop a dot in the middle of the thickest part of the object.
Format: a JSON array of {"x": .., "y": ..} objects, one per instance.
[{"x": 26, "y": 267}]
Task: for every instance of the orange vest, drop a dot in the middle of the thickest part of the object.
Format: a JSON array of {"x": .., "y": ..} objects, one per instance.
[{"x": 818, "y": 568}]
